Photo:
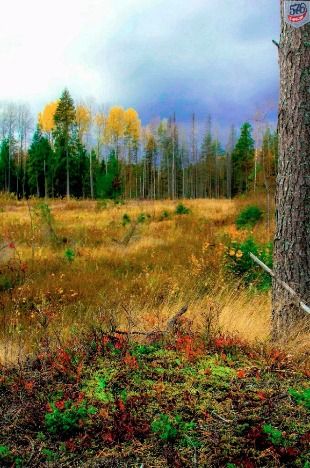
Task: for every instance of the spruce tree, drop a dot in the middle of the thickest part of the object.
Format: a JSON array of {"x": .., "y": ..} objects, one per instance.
[
  {"x": 4, "y": 164},
  {"x": 208, "y": 162},
  {"x": 243, "y": 160},
  {"x": 108, "y": 181},
  {"x": 149, "y": 163},
  {"x": 39, "y": 164},
  {"x": 65, "y": 122}
]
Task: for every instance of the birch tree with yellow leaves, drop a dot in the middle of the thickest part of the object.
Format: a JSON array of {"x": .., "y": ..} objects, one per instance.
[
  {"x": 132, "y": 136},
  {"x": 46, "y": 119},
  {"x": 84, "y": 121},
  {"x": 115, "y": 128},
  {"x": 99, "y": 122}
]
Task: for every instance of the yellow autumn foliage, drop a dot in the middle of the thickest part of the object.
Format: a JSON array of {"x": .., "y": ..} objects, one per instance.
[
  {"x": 115, "y": 124},
  {"x": 83, "y": 119},
  {"x": 46, "y": 117},
  {"x": 132, "y": 124},
  {"x": 100, "y": 125},
  {"x": 122, "y": 123}
]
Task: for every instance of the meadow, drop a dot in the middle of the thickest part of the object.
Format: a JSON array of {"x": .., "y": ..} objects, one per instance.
[
  {"x": 72, "y": 264},
  {"x": 90, "y": 373}
]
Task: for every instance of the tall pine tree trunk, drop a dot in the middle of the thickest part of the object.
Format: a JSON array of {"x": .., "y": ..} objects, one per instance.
[
  {"x": 68, "y": 173},
  {"x": 91, "y": 176},
  {"x": 292, "y": 238},
  {"x": 45, "y": 180}
]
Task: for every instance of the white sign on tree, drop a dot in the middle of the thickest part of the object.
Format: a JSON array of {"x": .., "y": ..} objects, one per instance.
[{"x": 297, "y": 13}]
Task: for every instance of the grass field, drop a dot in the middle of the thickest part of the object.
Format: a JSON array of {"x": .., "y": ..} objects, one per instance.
[{"x": 130, "y": 265}]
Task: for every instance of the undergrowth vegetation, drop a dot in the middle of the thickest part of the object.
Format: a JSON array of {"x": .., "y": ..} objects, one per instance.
[
  {"x": 240, "y": 264},
  {"x": 249, "y": 217},
  {"x": 183, "y": 400}
]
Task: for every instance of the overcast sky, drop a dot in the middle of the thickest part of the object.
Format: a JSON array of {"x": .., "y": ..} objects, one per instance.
[{"x": 159, "y": 56}]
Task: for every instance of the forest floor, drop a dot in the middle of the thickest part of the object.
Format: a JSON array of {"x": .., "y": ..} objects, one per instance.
[
  {"x": 104, "y": 401},
  {"x": 76, "y": 392}
]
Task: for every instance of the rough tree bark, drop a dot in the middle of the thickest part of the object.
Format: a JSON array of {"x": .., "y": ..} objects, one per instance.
[{"x": 292, "y": 238}]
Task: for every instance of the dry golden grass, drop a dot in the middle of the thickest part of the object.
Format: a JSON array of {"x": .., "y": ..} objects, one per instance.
[{"x": 133, "y": 276}]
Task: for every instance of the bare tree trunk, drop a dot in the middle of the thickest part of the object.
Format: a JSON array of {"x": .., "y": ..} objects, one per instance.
[
  {"x": 91, "y": 176},
  {"x": 173, "y": 160},
  {"x": 68, "y": 173},
  {"x": 228, "y": 175},
  {"x": 45, "y": 181},
  {"x": 194, "y": 157},
  {"x": 292, "y": 238},
  {"x": 38, "y": 190}
]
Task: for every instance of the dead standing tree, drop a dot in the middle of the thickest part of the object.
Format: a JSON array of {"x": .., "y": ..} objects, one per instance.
[{"x": 292, "y": 238}]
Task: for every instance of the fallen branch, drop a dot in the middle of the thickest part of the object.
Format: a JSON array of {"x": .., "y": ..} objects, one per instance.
[
  {"x": 123, "y": 332},
  {"x": 228, "y": 421},
  {"x": 302, "y": 305},
  {"x": 128, "y": 236},
  {"x": 174, "y": 320},
  {"x": 171, "y": 326}
]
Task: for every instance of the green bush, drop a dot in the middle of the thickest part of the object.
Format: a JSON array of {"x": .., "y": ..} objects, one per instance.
[
  {"x": 240, "y": 264},
  {"x": 70, "y": 255},
  {"x": 126, "y": 219},
  {"x": 67, "y": 417},
  {"x": 248, "y": 217},
  {"x": 165, "y": 215},
  {"x": 182, "y": 210},
  {"x": 143, "y": 217}
]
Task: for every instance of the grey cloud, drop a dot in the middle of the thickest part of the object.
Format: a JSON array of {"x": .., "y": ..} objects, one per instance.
[{"x": 201, "y": 56}]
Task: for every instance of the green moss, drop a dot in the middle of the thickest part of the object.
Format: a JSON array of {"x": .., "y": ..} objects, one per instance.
[
  {"x": 274, "y": 435},
  {"x": 302, "y": 397}
]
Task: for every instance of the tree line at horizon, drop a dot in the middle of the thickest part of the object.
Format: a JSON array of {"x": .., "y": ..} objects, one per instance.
[{"x": 75, "y": 151}]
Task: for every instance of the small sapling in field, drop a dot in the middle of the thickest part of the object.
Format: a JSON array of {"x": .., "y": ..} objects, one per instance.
[
  {"x": 249, "y": 217},
  {"x": 182, "y": 209}
]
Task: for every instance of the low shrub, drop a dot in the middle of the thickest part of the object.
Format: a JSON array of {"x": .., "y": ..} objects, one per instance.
[
  {"x": 169, "y": 429},
  {"x": 67, "y": 416},
  {"x": 126, "y": 219},
  {"x": 249, "y": 217},
  {"x": 182, "y": 209},
  {"x": 50, "y": 455},
  {"x": 143, "y": 217},
  {"x": 301, "y": 397},
  {"x": 240, "y": 264},
  {"x": 5, "y": 454},
  {"x": 46, "y": 221},
  {"x": 274, "y": 435},
  {"x": 70, "y": 255},
  {"x": 165, "y": 215},
  {"x": 144, "y": 349}
]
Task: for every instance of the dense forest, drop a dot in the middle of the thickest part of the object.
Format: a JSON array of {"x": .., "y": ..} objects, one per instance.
[{"x": 77, "y": 151}]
